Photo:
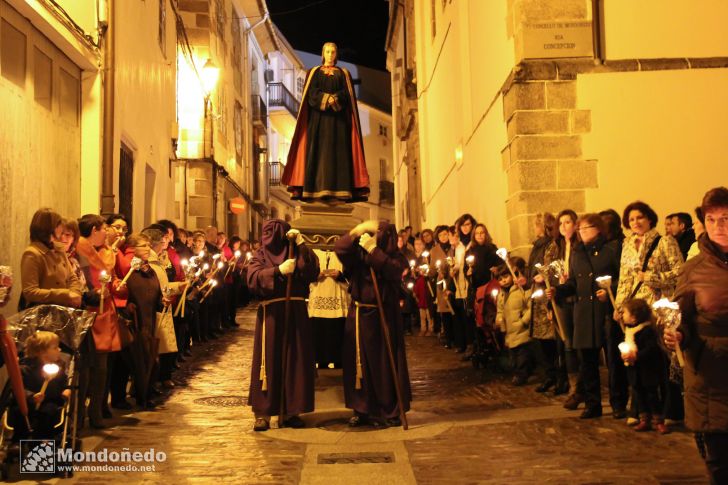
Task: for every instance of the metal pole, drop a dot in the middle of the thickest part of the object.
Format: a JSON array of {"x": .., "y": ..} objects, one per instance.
[
  {"x": 388, "y": 342},
  {"x": 285, "y": 346}
]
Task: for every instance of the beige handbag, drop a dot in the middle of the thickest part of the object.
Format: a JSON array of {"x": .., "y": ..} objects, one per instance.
[{"x": 165, "y": 331}]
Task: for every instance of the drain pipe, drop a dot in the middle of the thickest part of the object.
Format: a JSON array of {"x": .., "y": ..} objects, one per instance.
[{"x": 107, "y": 164}]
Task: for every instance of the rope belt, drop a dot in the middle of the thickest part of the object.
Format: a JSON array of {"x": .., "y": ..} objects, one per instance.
[
  {"x": 359, "y": 373},
  {"x": 263, "y": 376}
]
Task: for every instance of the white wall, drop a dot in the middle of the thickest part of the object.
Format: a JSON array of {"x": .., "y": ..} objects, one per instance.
[
  {"x": 664, "y": 141},
  {"x": 145, "y": 106},
  {"x": 665, "y": 28},
  {"x": 460, "y": 105}
]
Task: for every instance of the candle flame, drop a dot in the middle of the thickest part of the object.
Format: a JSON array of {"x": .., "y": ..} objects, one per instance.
[
  {"x": 216, "y": 256},
  {"x": 51, "y": 369},
  {"x": 494, "y": 293},
  {"x": 184, "y": 263},
  {"x": 412, "y": 263},
  {"x": 537, "y": 294},
  {"x": 205, "y": 266},
  {"x": 425, "y": 254},
  {"x": 410, "y": 285},
  {"x": 470, "y": 259},
  {"x": 625, "y": 347},
  {"x": 220, "y": 265},
  {"x": 502, "y": 253},
  {"x": 201, "y": 254},
  {"x": 665, "y": 303},
  {"x": 237, "y": 253},
  {"x": 213, "y": 283}
]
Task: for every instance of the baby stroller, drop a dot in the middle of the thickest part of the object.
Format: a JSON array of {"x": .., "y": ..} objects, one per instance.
[
  {"x": 71, "y": 326},
  {"x": 488, "y": 343}
]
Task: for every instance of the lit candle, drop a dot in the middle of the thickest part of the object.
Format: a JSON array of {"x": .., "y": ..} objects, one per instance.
[
  {"x": 626, "y": 348},
  {"x": 537, "y": 294},
  {"x": 669, "y": 315},
  {"x": 470, "y": 260},
  {"x": 213, "y": 284},
  {"x": 135, "y": 264},
  {"x": 412, "y": 263},
  {"x": 103, "y": 279},
  {"x": 410, "y": 285},
  {"x": 50, "y": 371},
  {"x": 503, "y": 254}
]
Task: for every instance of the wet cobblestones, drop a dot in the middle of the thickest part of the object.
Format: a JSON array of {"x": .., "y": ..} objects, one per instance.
[{"x": 484, "y": 431}]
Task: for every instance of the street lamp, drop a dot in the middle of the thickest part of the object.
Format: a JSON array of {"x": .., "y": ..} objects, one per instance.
[{"x": 210, "y": 74}]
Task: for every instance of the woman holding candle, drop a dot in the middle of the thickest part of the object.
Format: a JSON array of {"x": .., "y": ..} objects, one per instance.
[
  {"x": 483, "y": 260},
  {"x": 542, "y": 328},
  {"x": 97, "y": 263},
  {"x": 618, "y": 383},
  {"x": 145, "y": 300},
  {"x": 46, "y": 392},
  {"x": 558, "y": 256},
  {"x": 702, "y": 293},
  {"x": 164, "y": 270},
  {"x": 46, "y": 276},
  {"x": 590, "y": 259},
  {"x": 649, "y": 267}
]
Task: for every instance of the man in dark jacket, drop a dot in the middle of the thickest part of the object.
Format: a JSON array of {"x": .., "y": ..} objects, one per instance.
[
  {"x": 680, "y": 227},
  {"x": 702, "y": 293}
]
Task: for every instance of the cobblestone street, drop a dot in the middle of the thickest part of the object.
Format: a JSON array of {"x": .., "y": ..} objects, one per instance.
[{"x": 465, "y": 427}]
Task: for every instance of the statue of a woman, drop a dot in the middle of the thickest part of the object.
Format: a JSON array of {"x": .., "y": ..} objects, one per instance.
[{"x": 326, "y": 159}]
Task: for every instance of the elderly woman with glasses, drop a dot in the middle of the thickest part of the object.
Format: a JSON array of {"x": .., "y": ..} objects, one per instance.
[{"x": 590, "y": 259}]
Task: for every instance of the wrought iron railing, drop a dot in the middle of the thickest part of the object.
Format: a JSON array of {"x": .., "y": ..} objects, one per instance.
[
  {"x": 276, "y": 170},
  {"x": 279, "y": 95},
  {"x": 386, "y": 192}
]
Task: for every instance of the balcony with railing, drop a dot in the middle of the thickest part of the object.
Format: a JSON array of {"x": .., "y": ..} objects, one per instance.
[
  {"x": 260, "y": 111},
  {"x": 275, "y": 171},
  {"x": 280, "y": 96},
  {"x": 386, "y": 192}
]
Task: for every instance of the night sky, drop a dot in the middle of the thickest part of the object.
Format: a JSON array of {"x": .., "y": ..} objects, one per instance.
[{"x": 358, "y": 27}]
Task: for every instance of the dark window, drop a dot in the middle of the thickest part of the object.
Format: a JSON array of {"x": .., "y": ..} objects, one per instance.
[
  {"x": 126, "y": 182},
  {"x": 70, "y": 97},
  {"x": 42, "y": 79},
  {"x": 237, "y": 53},
  {"x": 12, "y": 54}
]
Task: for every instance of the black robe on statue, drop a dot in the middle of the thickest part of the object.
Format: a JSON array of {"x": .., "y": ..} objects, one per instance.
[
  {"x": 326, "y": 159},
  {"x": 377, "y": 396},
  {"x": 266, "y": 281}
]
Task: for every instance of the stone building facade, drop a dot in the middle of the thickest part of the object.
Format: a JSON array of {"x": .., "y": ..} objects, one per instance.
[{"x": 532, "y": 105}]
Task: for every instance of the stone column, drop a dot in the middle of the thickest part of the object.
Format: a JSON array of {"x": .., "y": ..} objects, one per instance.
[{"x": 543, "y": 158}]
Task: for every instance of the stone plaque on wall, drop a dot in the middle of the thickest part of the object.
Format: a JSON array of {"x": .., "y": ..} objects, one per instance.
[{"x": 546, "y": 40}]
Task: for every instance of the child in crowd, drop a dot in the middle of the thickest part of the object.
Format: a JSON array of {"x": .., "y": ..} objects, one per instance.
[
  {"x": 445, "y": 301},
  {"x": 513, "y": 318},
  {"x": 422, "y": 294},
  {"x": 44, "y": 408},
  {"x": 645, "y": 363}
]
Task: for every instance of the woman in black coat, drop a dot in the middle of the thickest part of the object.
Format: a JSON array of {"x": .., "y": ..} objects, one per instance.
[{"x": 589, "y": 260}]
